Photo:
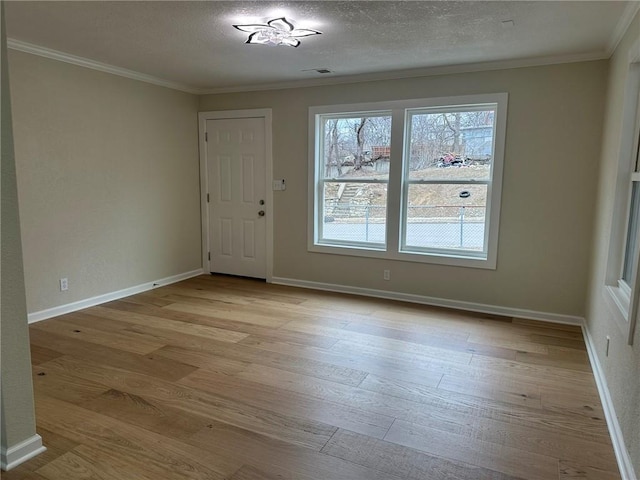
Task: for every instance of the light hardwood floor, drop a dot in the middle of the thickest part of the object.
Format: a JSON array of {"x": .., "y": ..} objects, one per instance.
[{"x": 225, "y": 378}]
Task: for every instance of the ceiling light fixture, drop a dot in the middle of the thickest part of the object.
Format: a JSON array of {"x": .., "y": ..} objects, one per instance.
[{"x": 278, "y": 31}]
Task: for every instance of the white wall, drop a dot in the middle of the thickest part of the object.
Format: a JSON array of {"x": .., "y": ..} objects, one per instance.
[
  {"x": 551, "y": 165},
  {"x": 108, "y": 180},
  {"x": 622, "y": 366},
  {"x": 16, "y": 404}
]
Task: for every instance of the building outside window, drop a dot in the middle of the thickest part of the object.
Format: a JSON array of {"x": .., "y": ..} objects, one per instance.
[{"x": 413, "y": 180}]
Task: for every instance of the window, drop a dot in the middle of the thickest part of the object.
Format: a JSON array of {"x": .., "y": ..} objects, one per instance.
[
  {"x": 447, "y": 174},
  {"x": 628, "y": 272},
  {"x": 412, "y": 180},
  {"x": 631, "y": 245},
  {"x": 623, "y": 285},
  {"x": 626, "y": 294},
  {"x": 354, "y": 177}
]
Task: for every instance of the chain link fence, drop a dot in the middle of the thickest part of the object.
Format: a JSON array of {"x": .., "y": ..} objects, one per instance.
[{"x": 437, "y": 226}]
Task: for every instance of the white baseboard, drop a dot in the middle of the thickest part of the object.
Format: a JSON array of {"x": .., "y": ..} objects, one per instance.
[
  {"x": 23, "y": 451},
  {"x": 108, "y": 297},
  {"x": 622, "y": 456},
  {"x": 434, "y": 301}
]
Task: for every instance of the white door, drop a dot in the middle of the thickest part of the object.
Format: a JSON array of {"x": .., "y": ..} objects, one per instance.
[{"x": 236, "y": 174}]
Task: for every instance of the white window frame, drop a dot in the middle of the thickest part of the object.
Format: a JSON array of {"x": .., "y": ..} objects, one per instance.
[
  {"x": 393, "y": 250},
  {"x": 321, "y": 181},
  {"x": 406, "y": 182},
  {"x": 622, "y": 296}
]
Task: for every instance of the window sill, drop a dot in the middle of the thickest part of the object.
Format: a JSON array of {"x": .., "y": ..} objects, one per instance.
[
  {"x": 617, "y": 301},
  {"x": 431, "y": 258}
]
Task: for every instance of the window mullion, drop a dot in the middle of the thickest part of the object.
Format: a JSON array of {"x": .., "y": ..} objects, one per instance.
[
  {"x": 352, "y": 180},
  {"x": 447, "y": 182},
  {"x": 394, "y": 189}
]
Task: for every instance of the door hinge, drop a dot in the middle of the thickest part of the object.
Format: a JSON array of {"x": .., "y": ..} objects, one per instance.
[
  {"x": 207, "y": 198},
  {"x": 206, "y": 136},
  {"x": 209, "y": 255}
]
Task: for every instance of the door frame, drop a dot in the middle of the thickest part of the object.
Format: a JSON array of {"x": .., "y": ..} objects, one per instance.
[{"x": 264, "y": 113}]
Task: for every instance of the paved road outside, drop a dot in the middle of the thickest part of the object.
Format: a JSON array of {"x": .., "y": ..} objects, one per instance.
[{"x": 437, "y": 235}]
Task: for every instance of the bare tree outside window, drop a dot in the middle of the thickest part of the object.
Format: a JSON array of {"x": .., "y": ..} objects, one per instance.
[
  {"x": 447, "y": 175},
  {"x": 442, "y": 178},
  {"x": 444, "y": 146},
  {"x": 356, "y": 171}
]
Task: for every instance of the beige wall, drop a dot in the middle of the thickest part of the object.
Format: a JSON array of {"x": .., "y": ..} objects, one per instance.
[
  {"x": 108, "y": 186},
  {"x": 551, "y": 166},
  {"x": 16, "y": 409},
  {"x": 108, "y": 180},
  {"x": 622, "y": 366}
]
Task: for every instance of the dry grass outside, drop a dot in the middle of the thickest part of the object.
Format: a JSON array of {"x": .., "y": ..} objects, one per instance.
[{"x": 441, "y": 201}]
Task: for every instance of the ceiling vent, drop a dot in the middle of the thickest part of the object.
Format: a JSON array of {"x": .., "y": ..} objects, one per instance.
[{"x": 321, "y": 71}]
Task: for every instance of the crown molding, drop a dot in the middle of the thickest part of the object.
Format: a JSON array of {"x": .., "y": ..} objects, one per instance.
[
  {"x": 623, "y": 25},
  {"x": 94, "y": 65},
  {"x": 315, "y": 82},
  {"x": 416, "y": 72}
]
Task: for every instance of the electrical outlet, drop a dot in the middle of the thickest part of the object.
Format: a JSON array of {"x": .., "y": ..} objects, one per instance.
[
  {"x": 386, "y": 275},
  {"x": 64, "y": 284}
]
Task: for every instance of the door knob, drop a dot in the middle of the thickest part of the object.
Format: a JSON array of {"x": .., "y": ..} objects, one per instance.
[{"x": 261, "y": 213}]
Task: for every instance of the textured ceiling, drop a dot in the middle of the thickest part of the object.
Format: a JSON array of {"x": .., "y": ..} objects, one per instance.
[{"x": 194, "y": 44}]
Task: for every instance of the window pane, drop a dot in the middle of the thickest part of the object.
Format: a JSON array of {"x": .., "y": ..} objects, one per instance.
[
  {"x": 632, "y": 234},
  {"x": 451, "y": 145},
  {"x": 637, "y": 167},
  {"x": 354, "y": 212},
  {"x": 448, "y": 216},
  {"x": 356, "y": 147}
]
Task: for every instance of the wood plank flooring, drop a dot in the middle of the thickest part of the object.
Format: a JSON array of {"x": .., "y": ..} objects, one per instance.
[{"x": 224, "y": 378}]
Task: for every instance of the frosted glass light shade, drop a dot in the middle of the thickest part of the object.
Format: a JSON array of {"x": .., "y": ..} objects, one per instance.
[{"x": 278, "y": 31}]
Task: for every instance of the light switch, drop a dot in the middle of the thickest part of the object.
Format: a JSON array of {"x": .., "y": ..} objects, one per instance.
[{"x": 279, "y": 185}]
